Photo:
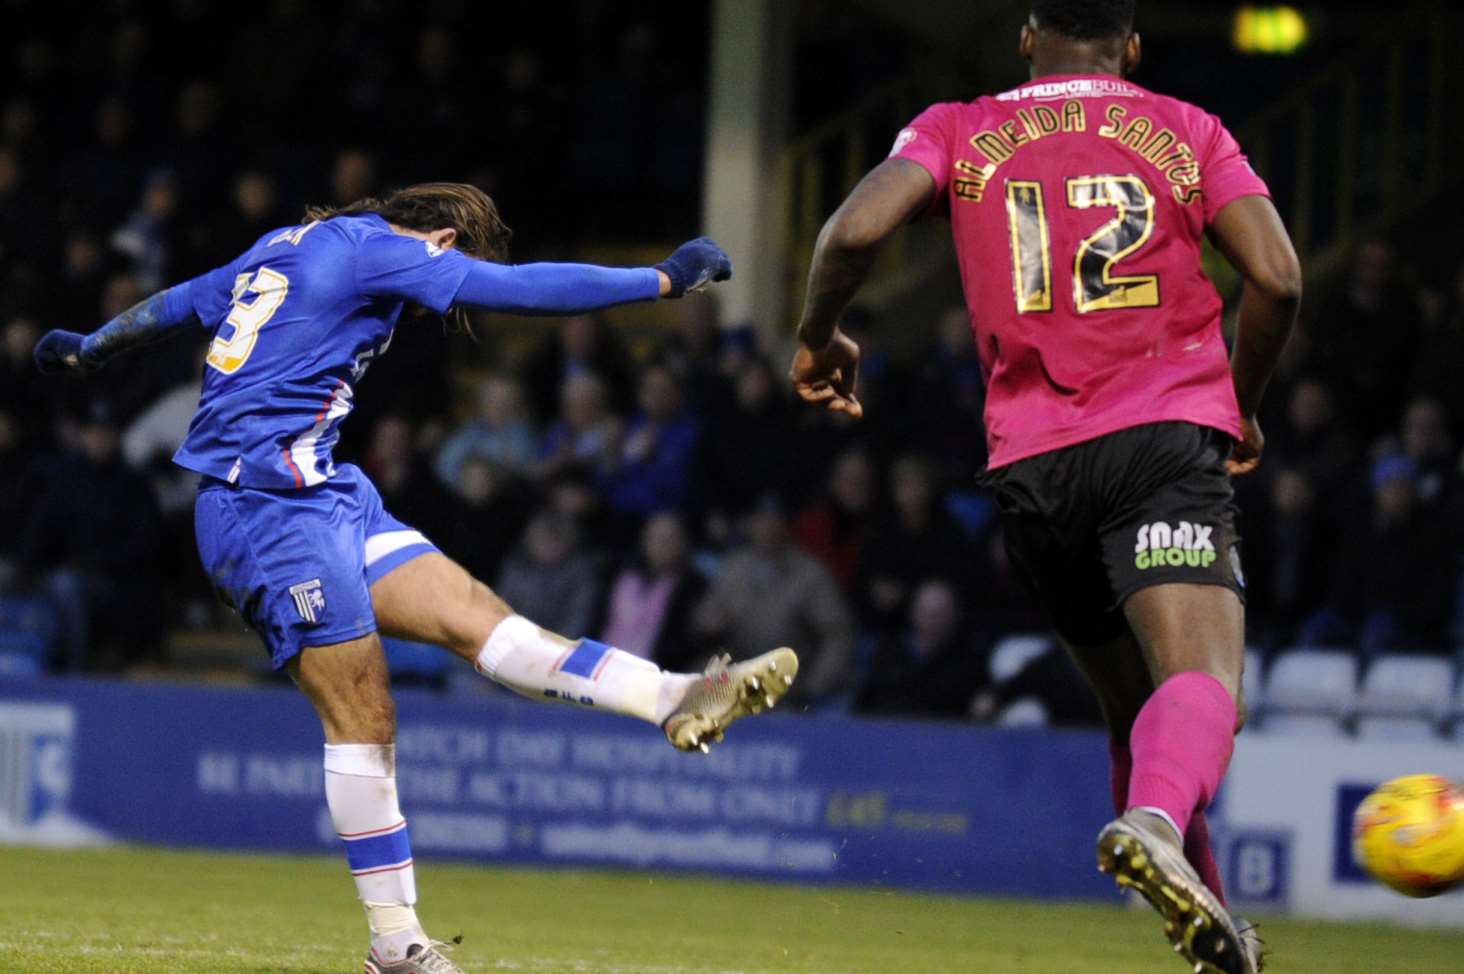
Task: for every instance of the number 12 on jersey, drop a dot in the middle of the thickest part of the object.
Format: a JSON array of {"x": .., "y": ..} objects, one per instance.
[{"x": 1095, "y": 286}]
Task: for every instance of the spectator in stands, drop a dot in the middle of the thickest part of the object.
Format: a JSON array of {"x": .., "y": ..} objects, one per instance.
[
  {"x": 498, "y": 433},
  {"x": 256, "y": 211},
  {"x": 571, "y": 492},
  {"x": 586, "y": 428},
  {"x": 529, "y": 112},
  {"x": 651, "y": 468},
  {"x": 947, "y": 395},
  {"x": 83, "y": 274},
  {"x": 836, "y": 527},
  {"x": 433, "y": 107},
  {"x": 747, "y": 450},
  {"x": 1425, "y": 439},
  {"x": 930, "y": 667},
  {"x": 1311, "y": 438},
  {"x": 353, "y": 177},
  {"x": 1288, "y": 558},
  {"x": 693, "y": 354},
  {"x": 915, "y": 540},
  {"x": 200, "y": 150},
  {"x": 1394, "y": 581},
  {"x": 147, "y": 236},
  {"x": 1440, "y": 358},
  {"x": 105, "y": 177},
  {"x": 550, "y": 579},
  {"x": 15, "y": 498},
  {"x": 1369, "y": 375},
  {"x": 90, "y": 544},
  {"x": 408, "y": 488},
  {"x": 25, "y": 395},
  {"x": 652, "y": 598},
  {"x": 770, "y": 593},
  {"x": 23, "y": 226},
  {"x": 485, "y": 523},
  {"x": 150, "y": 440},
  {"x": 999, "y": 604},
  {"x": 584, "y": 344}
]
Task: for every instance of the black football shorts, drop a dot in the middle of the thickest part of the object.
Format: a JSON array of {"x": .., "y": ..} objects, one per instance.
[{"x": 1088, "y": 525}]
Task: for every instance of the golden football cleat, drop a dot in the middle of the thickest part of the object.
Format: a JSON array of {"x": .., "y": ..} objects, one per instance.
[{"x": 726, "y": 693}]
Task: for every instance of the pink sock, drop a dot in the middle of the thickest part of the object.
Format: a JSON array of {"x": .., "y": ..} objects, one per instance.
[
  {"x": 1120, "y": 768},
  {"x": 1196, "y": 837},
  {"x": 1181, "y": 743},
  {"x": 1197, "y": 851}
]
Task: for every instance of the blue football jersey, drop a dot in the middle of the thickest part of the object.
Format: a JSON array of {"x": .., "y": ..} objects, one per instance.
[{"x": 297, "y": 319}]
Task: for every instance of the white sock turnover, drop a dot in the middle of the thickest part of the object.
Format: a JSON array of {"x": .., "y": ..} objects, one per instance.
[
  {"x": 360, "y": 789},
  {"x": 539, "y": 664}
]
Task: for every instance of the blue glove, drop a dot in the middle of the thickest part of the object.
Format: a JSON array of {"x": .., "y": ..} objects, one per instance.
[
  {"x": 60, "y": 351},
  {"x": 695, "y": 264}
]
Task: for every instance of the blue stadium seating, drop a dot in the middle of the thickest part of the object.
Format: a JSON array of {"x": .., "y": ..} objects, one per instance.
[{"x": 27, "y": 634}]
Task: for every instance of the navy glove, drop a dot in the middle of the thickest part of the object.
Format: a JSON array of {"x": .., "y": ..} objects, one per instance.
[
  {"x": 695, "y": 264},
  {"x": 60, "y": 351}
]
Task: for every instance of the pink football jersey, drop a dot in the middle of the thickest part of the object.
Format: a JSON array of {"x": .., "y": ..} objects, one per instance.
[{"x": 1078, "y": 203}]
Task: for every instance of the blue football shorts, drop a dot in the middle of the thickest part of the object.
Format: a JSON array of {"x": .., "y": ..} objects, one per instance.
[{"x": 298, "y": 565}]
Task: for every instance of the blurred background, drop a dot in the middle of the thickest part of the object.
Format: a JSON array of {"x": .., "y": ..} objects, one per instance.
[{"x": 644, "y": 475}]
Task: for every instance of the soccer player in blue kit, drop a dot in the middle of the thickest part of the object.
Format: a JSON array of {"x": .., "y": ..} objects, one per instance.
[{"x": 304, "y": 550}]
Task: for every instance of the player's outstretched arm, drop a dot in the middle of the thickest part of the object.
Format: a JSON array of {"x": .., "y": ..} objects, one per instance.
[
  {"x": 826, "y": 366},
  {"x": 148, "y": 321},
  {"x": 558, "y": 289},
  {"x": 1250, "y": 234}
]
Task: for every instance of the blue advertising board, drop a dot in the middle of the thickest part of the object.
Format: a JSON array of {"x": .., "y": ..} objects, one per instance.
[{"x": 502, "y": 780}]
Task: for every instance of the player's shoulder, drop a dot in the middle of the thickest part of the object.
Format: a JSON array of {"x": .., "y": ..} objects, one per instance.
[
  {"x": 1194, "y": 117},
  {"x": 354, "y": 228}
]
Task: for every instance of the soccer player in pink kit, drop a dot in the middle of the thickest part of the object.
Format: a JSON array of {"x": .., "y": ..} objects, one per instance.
[{"x": 1114, "y": 416}]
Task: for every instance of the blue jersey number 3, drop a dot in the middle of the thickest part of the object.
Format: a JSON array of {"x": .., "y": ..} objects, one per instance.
[{"x": 249, "y": 314}]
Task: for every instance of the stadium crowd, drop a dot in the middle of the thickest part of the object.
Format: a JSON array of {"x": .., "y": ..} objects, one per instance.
[{"x": 667, "y": 496}]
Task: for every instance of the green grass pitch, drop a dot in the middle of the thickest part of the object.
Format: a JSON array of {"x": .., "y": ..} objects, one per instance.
[{"x": 147, "y": 910}]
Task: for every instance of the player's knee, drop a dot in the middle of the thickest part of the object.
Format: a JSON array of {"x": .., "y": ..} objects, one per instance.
[{"x": 486, "y": 611}]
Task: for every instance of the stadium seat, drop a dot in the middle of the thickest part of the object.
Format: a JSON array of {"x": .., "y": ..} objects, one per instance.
[
  {"x": 21, "y": 613},
  {"x": 1301, "y": 725},
  {"x": 1397, "y": 729},
  {"x": 1023, "y": 712},
  {"x": 19, "y": 645},
  {"x": 1313, "y": 681},
  {"x": 1253, "y": 681},
  {"x": 15, "y": 665},
  {"x": 1009, "y": 655},
  {"x": 1407, "y": 686}
]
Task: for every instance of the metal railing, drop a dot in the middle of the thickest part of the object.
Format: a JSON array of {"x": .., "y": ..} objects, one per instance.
[
  {"x": 820, "y": 168},
  {"x": 1366, "y": 142}
]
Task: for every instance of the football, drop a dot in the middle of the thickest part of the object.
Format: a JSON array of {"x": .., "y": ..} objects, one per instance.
[{"x": 1409, "y": 834}]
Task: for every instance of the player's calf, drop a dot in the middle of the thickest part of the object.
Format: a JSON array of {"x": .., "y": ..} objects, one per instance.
[
  {"x": 695, "y": 710},
  {"x": 360, "y": 790},
  {"x": 432, "y": 599}
]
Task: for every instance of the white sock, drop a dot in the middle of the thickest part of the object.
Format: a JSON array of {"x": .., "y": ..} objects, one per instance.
[
  {"x": 360, "y": 788},
  {"x": 539, "y": 664},
  {"x": 1161, "y": 813}
]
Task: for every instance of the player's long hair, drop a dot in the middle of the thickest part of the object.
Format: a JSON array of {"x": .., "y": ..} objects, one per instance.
[{"x": 481, "y": 232}]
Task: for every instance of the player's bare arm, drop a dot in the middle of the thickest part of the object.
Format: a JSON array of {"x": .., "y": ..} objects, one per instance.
[
  {"x": 1250, "y": 234},
  {"x": 826, "y": 366}
]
